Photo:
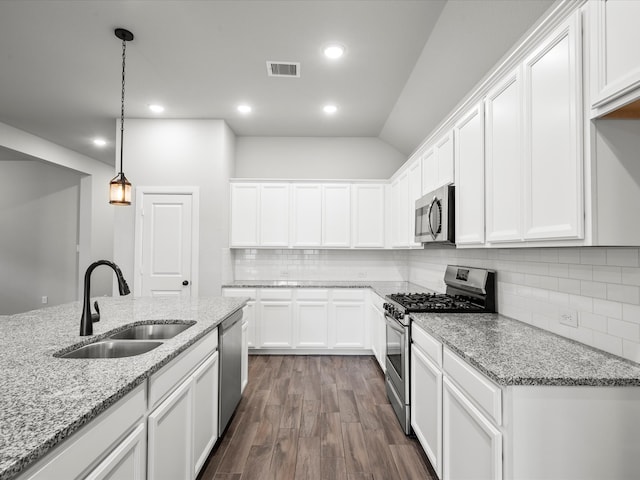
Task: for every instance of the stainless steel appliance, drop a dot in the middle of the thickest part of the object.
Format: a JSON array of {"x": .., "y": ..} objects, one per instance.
[
  {"x": 434, "y": 217},
  {"x": 469, "y": 290},
  {"x": 230, "y": 347}
]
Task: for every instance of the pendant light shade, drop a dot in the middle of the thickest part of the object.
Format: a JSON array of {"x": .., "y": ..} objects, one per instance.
[{"x": 120, "y": 187}]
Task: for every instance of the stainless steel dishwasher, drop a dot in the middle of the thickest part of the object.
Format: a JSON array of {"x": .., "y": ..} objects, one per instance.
[{"x": 230, "y": 347}]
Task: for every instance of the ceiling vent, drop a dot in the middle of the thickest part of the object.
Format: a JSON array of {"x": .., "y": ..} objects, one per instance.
[{"x": 283, "y": 69}]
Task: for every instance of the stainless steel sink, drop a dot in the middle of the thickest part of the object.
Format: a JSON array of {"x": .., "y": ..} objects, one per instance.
[
  {"x": 112, "y": 349},
  {"x": 157, "y": 331}
]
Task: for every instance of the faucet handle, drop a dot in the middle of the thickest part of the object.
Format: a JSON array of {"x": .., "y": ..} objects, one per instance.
[{"x": 95, "y": 317}]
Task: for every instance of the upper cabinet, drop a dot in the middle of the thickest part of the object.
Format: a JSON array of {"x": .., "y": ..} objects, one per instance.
[
  {"x": 336, "y": 219},
  {"x": 245, "y": 200},
  {"x": 553, "y": 203},
  {"x": 274, "y": 215},
  {"x": 367, "y": 213},
  {"x": 614, "y": 54},
  {"x": 469, "y": 155},
  {"x": 306, "y": 221},
  {"x": 400, "y": 212},
  {"x": 437, "y": 164}
]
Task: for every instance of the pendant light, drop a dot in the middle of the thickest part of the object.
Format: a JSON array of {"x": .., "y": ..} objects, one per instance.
[{"x": 120, "y": 187}]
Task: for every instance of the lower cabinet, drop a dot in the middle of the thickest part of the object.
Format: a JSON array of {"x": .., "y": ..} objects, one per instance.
[
  {"x": 377, "y": 324},
  {"x": 127, "y": 461},
  {"x": 245, "y": 355}
]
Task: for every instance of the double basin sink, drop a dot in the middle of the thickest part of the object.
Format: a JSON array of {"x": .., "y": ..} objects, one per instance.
[{"x": 133, "y": 340}]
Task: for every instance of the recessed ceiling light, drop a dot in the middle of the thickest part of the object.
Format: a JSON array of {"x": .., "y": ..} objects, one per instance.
[
  {"x": 99, "y": 142},
  {"x": 156, "y": 108},
  {"x": 330, "y": 109},
  {"x": 334, "y": 51},
  {"x": 244, "y": 108}
]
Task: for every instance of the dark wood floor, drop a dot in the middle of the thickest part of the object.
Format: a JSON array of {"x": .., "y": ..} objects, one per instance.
[{"x": 315, "y": 417}]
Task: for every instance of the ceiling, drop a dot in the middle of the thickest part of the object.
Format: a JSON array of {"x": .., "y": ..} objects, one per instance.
[{"x": 60, "y": 74}]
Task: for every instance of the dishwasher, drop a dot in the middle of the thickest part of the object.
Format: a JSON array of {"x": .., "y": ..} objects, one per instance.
[{"x": 230, "y": 347}]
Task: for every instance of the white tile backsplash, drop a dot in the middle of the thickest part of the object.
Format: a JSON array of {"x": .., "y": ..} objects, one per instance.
[{"x": 602, "y": 285}]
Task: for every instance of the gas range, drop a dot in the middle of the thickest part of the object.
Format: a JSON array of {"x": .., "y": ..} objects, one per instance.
[{"x": 469, "y": 290}]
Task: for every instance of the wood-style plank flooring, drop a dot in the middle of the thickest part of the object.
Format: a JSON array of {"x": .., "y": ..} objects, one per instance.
[{"x": 316, "y": 418}]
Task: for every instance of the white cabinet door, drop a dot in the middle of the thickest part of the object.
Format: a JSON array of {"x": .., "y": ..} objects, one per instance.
[
  {"x": 127, "y": 461},
  {"x": 367, "y": 215},
  {"x": 429, "y": 171},
  {"x": 615, "y": 57},
  {"x": 444, "y": 153},
  {"x": 205, "y": 410},
  {"x": 312, "y": 324},
  {"x": 245, "y": 198},
  {"x": 504, "y": 157},
  {"x": 348, "y": 320},
  {"x": 426, "y": 406},
  {"x": 249, "y": 316},
  {"x": 276, "y": 324},
  {"x": 471, "y": 444},
  {"x": 336, "y": 218},
  {"x": 274, "y": 215},
  {"x": 400, "y": 210},
  {"x": 170, "y": 437},
  {"x": 469, "y": 155},
  {"x": 306, "y": 228},
  {"x": 379, "y": 336},
  {"x": 552, "y": 127},
  {"x": 415, "y": 192},
  {"x": 244, "y": 370}
]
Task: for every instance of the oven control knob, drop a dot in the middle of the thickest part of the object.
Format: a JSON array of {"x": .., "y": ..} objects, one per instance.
[{"x": 398, "y": 315}]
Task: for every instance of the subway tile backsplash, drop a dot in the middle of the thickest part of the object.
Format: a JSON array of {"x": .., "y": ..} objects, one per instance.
[{"x": 535, "y": 285}]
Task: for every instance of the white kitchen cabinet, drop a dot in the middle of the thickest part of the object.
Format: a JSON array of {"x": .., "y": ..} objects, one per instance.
[
  {"x": 245, "y": 199},
  {"x": 127, "y": 461},
  {"x": 312, "y": 318},
  {"x": 553, "y": 206},
  {"x": 276, "y": 318},
  {"x": 415, "y": 192},
  {"x": 336, "y": 218},
  {"x": 204, "y": 385},
  {"x": 469, "y": 173},
  {"x": 614, "y": 54},
  {"x": 377, "y": 325},
  {"x": 400, "y": 213},
  {"x": 471, "y": 444},
  {"x": 274, "y": 215},
  {"x": 348, "y": 319},
  {"x": 306, "y": 228},
  {"x": 367, "y": 215},
  {"x": 170, "y": 436},
  {"x": 426, "y": 405},
  {"x": 244, "y": 369},
  {"x": 249, "y": 312},
  {"x": 504, "y": 160},
  {"x": 438, "y": 164}
]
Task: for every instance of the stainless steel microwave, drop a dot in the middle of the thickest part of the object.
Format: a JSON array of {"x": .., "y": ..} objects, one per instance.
[{"x": 434, "y": 218}]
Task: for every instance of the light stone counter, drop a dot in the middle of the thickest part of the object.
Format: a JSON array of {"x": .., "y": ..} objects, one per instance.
[{"x": 44, "y": 399}]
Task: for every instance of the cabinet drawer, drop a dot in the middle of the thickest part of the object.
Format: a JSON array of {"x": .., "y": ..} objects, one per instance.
[
  {"x": 486, "y": 394},
  {"x": 349, "y": 293},
  {"x": 239, "y": 292},
  {"x": 276, "y": 294},
  {"x": 431, "y": 347},
  {"x": 165, "y": 380},
  {"x": 312, "y": 294}
]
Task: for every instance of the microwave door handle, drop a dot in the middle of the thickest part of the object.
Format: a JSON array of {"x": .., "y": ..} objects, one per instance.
[{"x": 433, "y": 202}]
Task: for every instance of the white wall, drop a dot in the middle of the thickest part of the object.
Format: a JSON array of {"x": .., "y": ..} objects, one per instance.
[
  {"x": 95, "y": 228},
  {"x": 39, "y": 206},
  {"x": 316, "y": 157},
  {"x": 181, "y": 153},
  {"x": 600, "y": 285}
]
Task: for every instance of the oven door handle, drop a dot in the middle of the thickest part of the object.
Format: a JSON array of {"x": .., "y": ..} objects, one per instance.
[{"x": 393, "y": 324}]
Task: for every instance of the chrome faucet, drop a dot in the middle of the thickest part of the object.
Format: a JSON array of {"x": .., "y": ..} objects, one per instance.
[{"x": 86, "y": 322}]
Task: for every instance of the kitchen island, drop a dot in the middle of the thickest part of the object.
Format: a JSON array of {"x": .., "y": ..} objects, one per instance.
[{"x": 45, "y": 399}]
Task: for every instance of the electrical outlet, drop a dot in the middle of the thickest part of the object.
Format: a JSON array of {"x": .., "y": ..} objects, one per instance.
[
  {"x": 569, "y": 317},
  {"x": 362, "y": 274},
  {"x": 45, "y": 299}
]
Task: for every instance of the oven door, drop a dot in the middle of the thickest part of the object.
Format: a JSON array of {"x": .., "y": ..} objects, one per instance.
[{"x": 397, "y": 364}]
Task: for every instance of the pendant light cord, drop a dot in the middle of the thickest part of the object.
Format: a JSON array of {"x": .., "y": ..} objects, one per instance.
[{"x": 124, "y": 48}]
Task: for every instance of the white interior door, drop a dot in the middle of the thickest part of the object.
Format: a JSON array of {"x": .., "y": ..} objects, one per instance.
[{"x": 167, "y": 246}]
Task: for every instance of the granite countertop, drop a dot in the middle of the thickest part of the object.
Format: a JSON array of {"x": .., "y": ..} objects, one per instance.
[
  {"x": 380, "y": 287},
  {"x": 514, "y": 353},
  {"x": 44, "y": 399}
]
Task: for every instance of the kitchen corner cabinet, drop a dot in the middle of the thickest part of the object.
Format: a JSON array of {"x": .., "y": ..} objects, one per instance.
[
  {"x": 367, "y": 215},
  {"x": 245, "y": 200},
  {"x": 614, "y": 55},
  {"x": 469, "y": 173}
]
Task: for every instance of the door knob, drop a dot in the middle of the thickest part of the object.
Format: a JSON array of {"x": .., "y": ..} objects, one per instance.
[{"x": 185, "y": 282}]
